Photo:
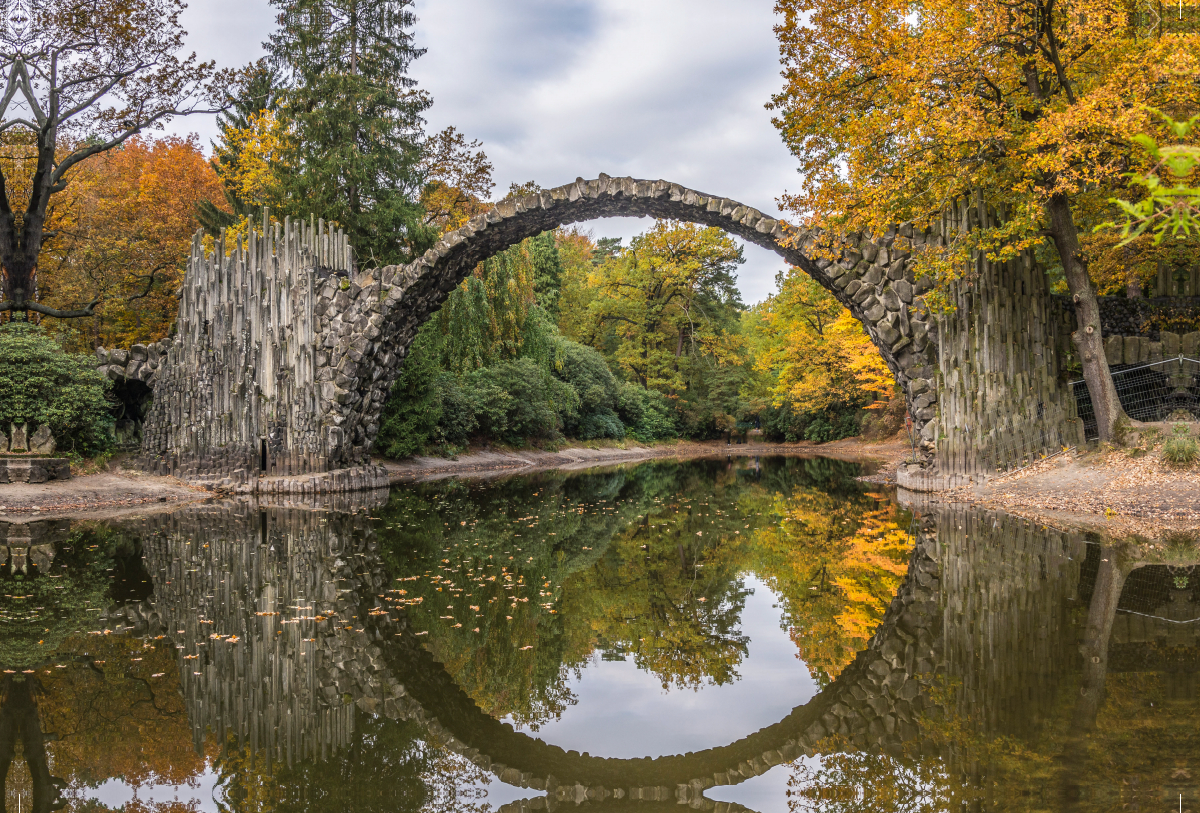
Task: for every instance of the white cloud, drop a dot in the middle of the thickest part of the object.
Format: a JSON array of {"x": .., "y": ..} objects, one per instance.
[
  {"x": 557, "y": 89},
  {"x": 669, "y": 89}
]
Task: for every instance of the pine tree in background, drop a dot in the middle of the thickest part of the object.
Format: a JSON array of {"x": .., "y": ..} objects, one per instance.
[
  {"x": 257, "y": 90},
  {"x": 353, "y": 121}
]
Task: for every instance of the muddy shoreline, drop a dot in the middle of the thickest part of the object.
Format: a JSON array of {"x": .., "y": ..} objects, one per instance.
[
  {"x": 1107, "y": 492},
  {"x": 490, "y": 464},
  {"x": 119, "y": 491}
]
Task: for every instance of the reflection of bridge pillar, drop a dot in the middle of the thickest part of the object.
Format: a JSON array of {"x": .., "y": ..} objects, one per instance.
[
  {"x": 263, "y": 604},
  {"x": 1007, "y": 587}
]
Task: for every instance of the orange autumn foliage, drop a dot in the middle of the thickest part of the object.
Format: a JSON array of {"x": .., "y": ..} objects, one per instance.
[
  {"x": 112, "y": 719},
  {"x": 837, "y": 562},
  {"x": 122, "y": 231},
  {"x": 815, "y": 353}
]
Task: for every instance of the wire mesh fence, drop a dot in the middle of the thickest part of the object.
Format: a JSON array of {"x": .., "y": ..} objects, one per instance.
[{"x": 1166, "y": 390}]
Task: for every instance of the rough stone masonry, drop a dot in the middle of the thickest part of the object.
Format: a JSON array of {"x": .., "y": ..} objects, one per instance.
[{"x": 285, "y": 352}]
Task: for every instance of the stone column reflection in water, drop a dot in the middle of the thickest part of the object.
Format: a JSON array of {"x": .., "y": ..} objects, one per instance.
[
  {"x": 263, "y": 604},
  {"x": 1023, "y": 704}
]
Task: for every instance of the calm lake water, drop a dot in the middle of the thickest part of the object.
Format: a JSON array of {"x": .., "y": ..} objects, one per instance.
[{"x": 749, "y": 634}]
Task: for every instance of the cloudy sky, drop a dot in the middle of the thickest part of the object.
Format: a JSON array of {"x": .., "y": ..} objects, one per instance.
[{"x": 557, "y": 89}]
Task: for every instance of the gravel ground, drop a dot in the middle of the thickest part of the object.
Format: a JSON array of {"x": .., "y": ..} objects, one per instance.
[
  {"x": 1108, "y": 491},
  {"x": 96, "y": 495}
]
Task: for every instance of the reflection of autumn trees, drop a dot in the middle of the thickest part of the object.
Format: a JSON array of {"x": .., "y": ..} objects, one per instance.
[
  {"x": 111, "y": 718},
  {"x": 837, "y": 560},
  {"x": 492, "y": 558},
  {"x": 668, "y": 594},
  {"x": 644, "y": 563},
  {"x": 389, "y": 766},
  {"x": 110, "y": 703}
]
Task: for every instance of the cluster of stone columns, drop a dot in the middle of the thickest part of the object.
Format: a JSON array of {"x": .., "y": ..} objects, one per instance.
[{"x": 285, "y": 353}]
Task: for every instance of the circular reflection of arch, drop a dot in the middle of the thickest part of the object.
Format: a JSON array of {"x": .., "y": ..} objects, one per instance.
[
  {"x": 520, "y": 759},
  {"x": 233, "y": 584}
]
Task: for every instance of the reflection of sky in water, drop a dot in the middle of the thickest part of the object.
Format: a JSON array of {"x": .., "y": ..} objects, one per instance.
[
  {"x": 765, "y": 793},
  {"x": 624, "y": 712},
  {"x": 115, "y": 793},
  {"x": 202, "y": 793}
]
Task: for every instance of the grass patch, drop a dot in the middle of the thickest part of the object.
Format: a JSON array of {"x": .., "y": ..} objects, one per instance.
[
  {"x": 89, "y": 465},
  {"x": 1181, "y": 449}
]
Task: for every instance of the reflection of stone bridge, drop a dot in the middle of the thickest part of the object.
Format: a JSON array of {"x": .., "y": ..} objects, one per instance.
[
  {"x": 285, "y": 354},
  {"x": 282, "y": 633}
]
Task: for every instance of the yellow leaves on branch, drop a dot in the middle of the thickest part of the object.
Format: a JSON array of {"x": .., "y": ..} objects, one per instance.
[
  {"x": 661, "y": 297},
  {"x": 458, "y": 180},
  {"x": 259, "y": 149},
  {"x": 896, "y": 111},
  {"x": 838, "y": 562}
]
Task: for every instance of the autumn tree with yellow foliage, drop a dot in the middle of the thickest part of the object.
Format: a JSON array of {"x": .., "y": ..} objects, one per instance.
[
  {"x": 816, "y": 355},
  {"x": 663, "y": 299},
  {"x": 895, "y": 111}
]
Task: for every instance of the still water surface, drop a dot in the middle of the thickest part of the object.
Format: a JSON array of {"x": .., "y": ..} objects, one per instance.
[{"x": 765, "y": 634}]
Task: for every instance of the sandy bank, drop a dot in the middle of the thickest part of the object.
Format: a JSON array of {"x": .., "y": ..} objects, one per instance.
[
  {"x": 483, "y": 463},
  {"x": 98, "y": 496}
]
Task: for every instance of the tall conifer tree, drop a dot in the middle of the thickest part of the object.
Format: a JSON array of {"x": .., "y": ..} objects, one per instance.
[{"x": 354, "y": 121}]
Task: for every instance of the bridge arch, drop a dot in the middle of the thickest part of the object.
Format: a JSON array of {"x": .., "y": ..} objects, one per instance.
[
  {"x": 284, "y": 355},
  {"x": 870, "y": 277}
]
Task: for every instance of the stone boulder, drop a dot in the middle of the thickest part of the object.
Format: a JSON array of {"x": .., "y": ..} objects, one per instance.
[
  {"x": 19, "y": 435},
  {"x": 42, "y": 441}
]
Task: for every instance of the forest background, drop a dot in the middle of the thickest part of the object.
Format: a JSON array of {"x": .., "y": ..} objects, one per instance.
[
  {"x": 562, "y": 336},
  {"x": 1050, "y": 115}
]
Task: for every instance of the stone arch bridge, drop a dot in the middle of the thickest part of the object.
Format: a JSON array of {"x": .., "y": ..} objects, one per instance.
[{"x": 285, "y": 352}]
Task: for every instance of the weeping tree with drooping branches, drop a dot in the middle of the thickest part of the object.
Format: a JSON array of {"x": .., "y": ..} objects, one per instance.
[{"x": 81, "y": 77}]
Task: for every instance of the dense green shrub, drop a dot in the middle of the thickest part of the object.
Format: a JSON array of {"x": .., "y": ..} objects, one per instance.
[
  {"x": 784, "y": 424},
  {"x": 514, "y": 401},
  {"x": 833, "y": 426},
  {"x": 587, "y": 373},
  {"x": 42, "y": 385},
  {"x": 458, "y": 414},
  {"x": 411, "y": 416},
  {"x": 1181, "y": 449},
  {"x": 647, "y": 414}
]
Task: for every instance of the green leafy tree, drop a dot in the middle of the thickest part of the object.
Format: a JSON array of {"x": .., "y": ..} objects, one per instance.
[
  {"x": 41, "y": 385},
  {"x": 671, "y": 293},
  {"x": 353, "y": 120},
  {"x": 1169, "y": 209},
  {"x": 413, "y": 413},
  {"x": 547, "y": 271},
  {"x": 585, "y": 370}
]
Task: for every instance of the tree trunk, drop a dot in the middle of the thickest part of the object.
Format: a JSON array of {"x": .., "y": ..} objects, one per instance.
[
  {"x": 19, "y": 720},
  {"x": 1087, "y": 338},
  {"x": 1133, "y": 284}
]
